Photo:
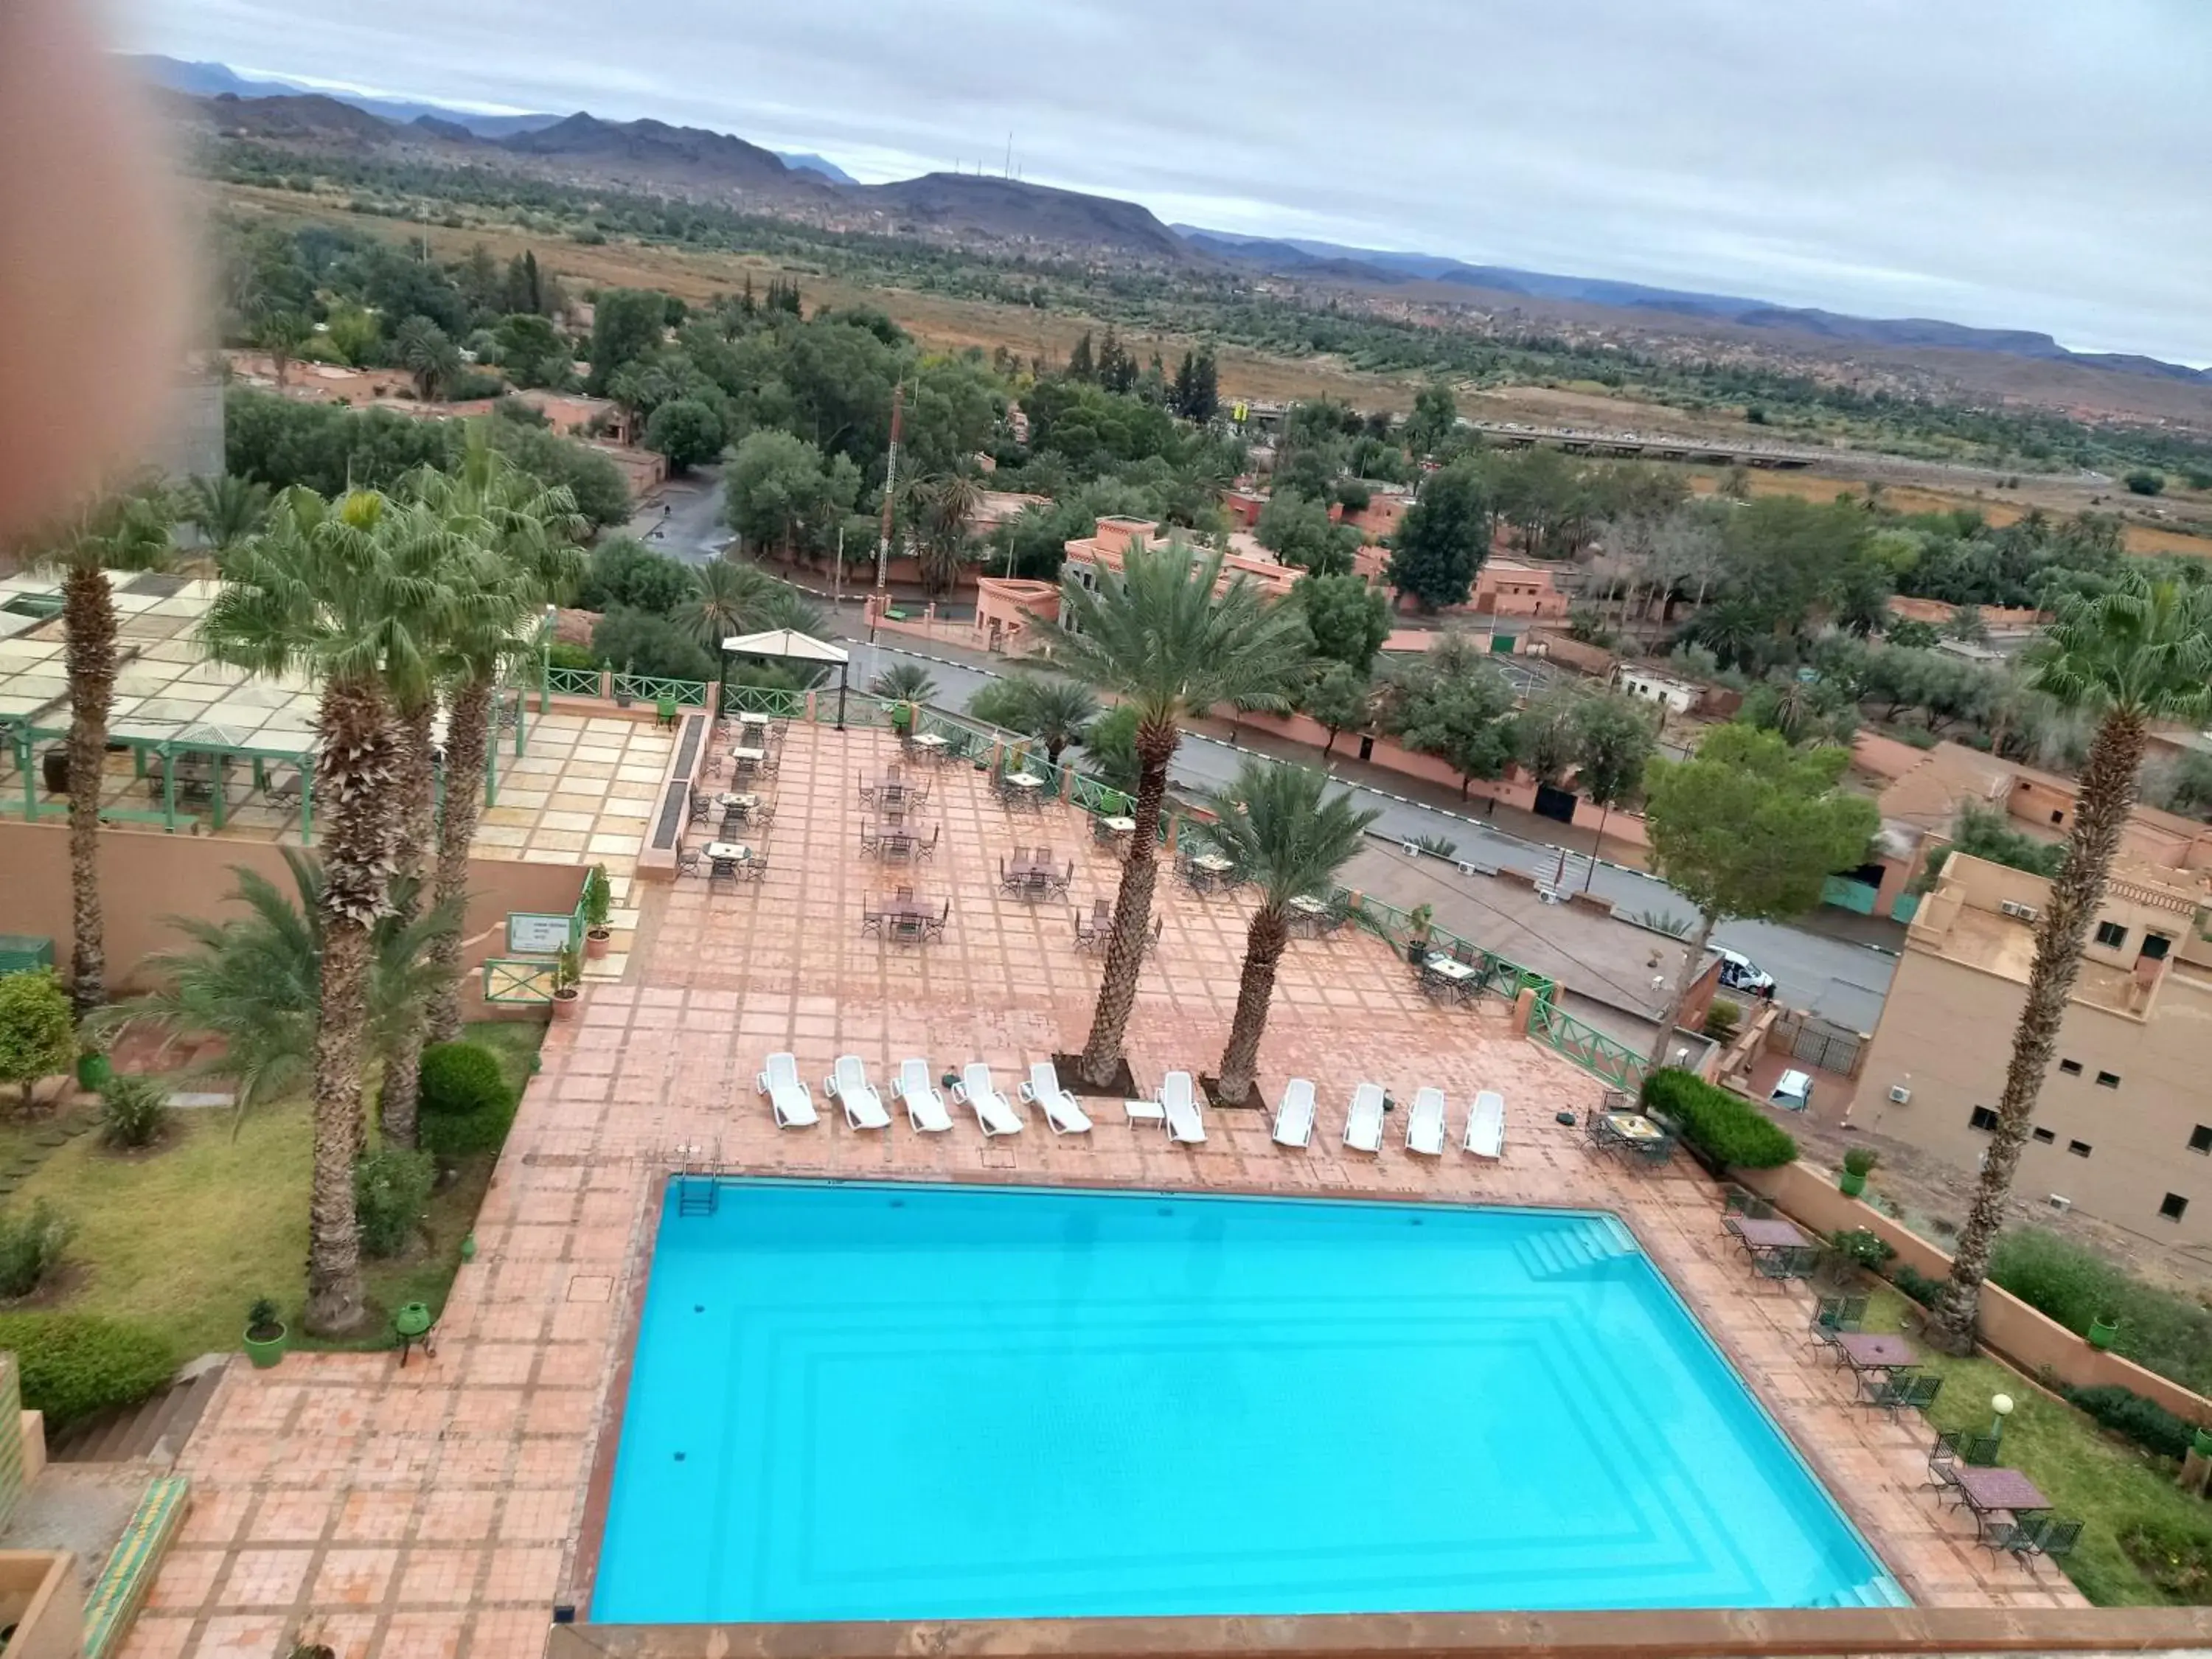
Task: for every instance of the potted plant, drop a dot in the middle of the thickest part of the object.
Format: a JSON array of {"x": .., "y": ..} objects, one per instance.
[
  {"x": 902, "y": 718},
  {"x": 2200, "y": 1442},
  {"x": 265, "y": 1335},
  {"x": 1417, "y": 924},
  {"x": 567, "y": 970},
  {"x": 1858, "y": 1164},
  {"x": 598, "y": 902},
  {"x": 93, "y": 1070},
  {"x": 622, "y": 697},
  {"x": 2103, "y": 1329}
]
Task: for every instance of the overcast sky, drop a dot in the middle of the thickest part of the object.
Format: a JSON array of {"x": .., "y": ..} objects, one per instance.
[{"x": 2018, "y": 163}]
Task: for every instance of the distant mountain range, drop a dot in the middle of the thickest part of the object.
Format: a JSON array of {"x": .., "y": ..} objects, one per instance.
[{"x": 968, "y": 209}]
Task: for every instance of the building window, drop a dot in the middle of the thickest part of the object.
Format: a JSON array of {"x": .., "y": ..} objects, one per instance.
[
  {"x": 1981, "y": 1118},
  {"x": 2108, "y": 1079},
  {"x": 2071, "y": 1067},
  {"x": 2175, "y": 1206},
  {"x": 2079, "y": 1148},
  {"x": 2199, "y": 1139},
  {"x": 2044, "y": 1135},
  {"x": 2058, "y": 817},
  {"x": 2156, "y": 945},
  {"x": 2111, "y": 934}
]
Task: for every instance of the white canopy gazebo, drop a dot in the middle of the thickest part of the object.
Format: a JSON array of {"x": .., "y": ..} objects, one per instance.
[{"x": 788, "y": 645}]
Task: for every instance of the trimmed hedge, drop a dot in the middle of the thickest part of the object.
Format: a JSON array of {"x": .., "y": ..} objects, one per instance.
[
  {"x": 2127, "y": 1412},
  {"x": 450, "y": 1136},
  {"x": 1917, "y": 1285},
  {"x": 1725, "y": 1127},
  {"x": 75, "y": 1365},
  {"x": 460, "y": 1078}
]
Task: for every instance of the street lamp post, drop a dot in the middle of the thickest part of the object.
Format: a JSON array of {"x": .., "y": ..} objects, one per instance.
[{"x": 2000, "y": 1409}]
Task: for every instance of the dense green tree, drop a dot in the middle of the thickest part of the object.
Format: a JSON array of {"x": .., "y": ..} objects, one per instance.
[
  {"x": 428, "y": 354},
  {"x": 1296, "y": 530},
  {"x": 1080, "y": 365},
  {"x": 1348, "y": 618},
  {"x": 1197, "y": 395},
  {"x": 1459, "y": 717},
  {"x": 1614, "y": 743},
  {"x": 625, "y": 571},
  {"x": 1443, "y": 538},
  {"x": 1342, "y": 700},
  {"x": 532, "y": 352},
  {"x": 645, "y": 642},
  {"x": 1748, "y": 828},
  {"x": 782, "y": 492},
  {"x": 1056, "y": 712},
  {"x": 1434, "y": 419},
  {"x": 593, "y": 482},
  {"x": 38, "y": 1036},
  {"x": 1546, "y": 740},
  {"x": 626, "y": 324},
  {"x": 686, "y": 431}
]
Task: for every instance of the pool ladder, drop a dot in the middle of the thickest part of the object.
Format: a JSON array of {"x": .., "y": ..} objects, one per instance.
[{"x": 696, "y": 1173}]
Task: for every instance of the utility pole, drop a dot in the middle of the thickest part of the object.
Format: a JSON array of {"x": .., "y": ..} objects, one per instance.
[
  {"x": 837, "y": 598},
  {"x": 891, "y": 488}
]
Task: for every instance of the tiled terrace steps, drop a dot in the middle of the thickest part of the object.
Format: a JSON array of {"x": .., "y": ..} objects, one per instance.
[{"x": 155, "y": 1428}]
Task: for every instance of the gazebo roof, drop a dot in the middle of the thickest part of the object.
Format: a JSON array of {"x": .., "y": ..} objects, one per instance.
[{"x": 784, "y": 642}]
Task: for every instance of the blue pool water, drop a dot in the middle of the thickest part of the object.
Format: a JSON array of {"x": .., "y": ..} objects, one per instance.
[{"x": 854, "y": 1402}]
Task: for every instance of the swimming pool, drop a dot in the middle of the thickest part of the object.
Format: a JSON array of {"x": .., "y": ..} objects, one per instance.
[{"x": 895, "y": 1401}]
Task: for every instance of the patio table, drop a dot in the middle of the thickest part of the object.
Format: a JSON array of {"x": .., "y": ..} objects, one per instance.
[
  {"x": 1122, "y": 826},
  {"x": 728, "y": 852},
  {"x": 1633, "y": 1128},
  {"x": 1212, "y": 863},
  {"x": 754, "y": 719},
  {"x": 743, "y": 802},
  {"x": 1985, "y": 1489},
  {"x": 1875, "y": 1350},
  {"x": 1455, "y": 978},
  {"x": 1023, "y": 781},
  {"x": 1770, "y": 1233},
  {"x": 747, "y": 752},
  {"x": 928, "y": 742}
]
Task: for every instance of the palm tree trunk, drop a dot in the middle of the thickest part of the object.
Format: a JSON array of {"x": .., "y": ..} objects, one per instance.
[
  {"x": 88, "y": 611},
  {"x": 401, "y": 1090},
  {"x": 468, "y": 735},
  {"x": 357, "y": 772},
  {"x": 1693, "y": 963},
  {"x": 2108, "y": 794},
  {"x": 1264, "y": 942},
  {"x": 1133, "y": 909}
]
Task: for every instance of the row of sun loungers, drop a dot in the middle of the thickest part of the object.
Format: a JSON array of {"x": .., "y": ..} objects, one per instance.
[{"x": 848, "y": 1085}]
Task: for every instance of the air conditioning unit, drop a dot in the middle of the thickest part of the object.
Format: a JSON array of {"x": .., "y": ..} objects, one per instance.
[
  {"x": 2061, "y": 1203},
  {"x": 1412, "y": 849},
  {"x": 1466, "y": 869},
  {"x": 2023, "y": 912},
  {"x": 1899, "y": 1095}
]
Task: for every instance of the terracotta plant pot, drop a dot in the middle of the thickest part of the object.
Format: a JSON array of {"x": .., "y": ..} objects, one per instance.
[
  {"x": 596, "y": 941},
  {"x": 564, "y": 1002}
]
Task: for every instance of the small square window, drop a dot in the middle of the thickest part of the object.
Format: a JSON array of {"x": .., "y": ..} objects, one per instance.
[
  {"x": 2111, "y": 934},
  {"x": 2079, "y": 1148},
  {"x": 2058, "y": 817},
  {"x": 1981, "y": 1118},
  {"x": 2175, "y": 1206},
  {"x": 2071, "y": 1067},
  {"x": 2044, "y": 1135},
  {"x": 2200, "y": 1139},
  {"x": 2108, "y": 1079},
  {"x": 2156, "y": 945}
]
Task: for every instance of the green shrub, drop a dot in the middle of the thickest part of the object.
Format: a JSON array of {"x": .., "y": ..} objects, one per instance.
[
  {"x": 31, "y": 1247},
  {"x": 2065, "y": 1281},
  {"x": 389, "y": 1189},
  {"x": 1866, "y": 1249},
  {"x": 449, "y": 1135},
  {"x": 459, "y": 1078},
  {"x": 73, "y": 1365},
  {"x": 1859, "y": 1160},
  {"x": 565, "y": 655},
  {"x": 2143, "y": 1421},
  {"x": 1725, "y": 1127},
  {"x": 2175, "y": 1555},
  {"x": 1721, "y": 1020},
  {"x": 38, "y": 1037},
  {"x": 1917, "y": 1285},
  {"x": 133, "y": 1111}
]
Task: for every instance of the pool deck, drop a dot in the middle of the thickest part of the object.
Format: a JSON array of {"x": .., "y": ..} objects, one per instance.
[{"x": 441, "y": 1511}]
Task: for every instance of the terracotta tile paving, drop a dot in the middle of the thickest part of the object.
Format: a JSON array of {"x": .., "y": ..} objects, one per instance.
[{"x": 437, "y": 1512}]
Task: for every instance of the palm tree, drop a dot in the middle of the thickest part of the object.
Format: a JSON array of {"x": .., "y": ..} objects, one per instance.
[
  {"x": 281, "y": 333},
  {"x": 1156, "y": 633},
  {"x": 125, "y": 532},
  {"x": 727, "y": 595},
  {"x": 317, "y": 595},
  {"x": 2139, "y": 653},
  {"x": 255, "y": 982},
  {"x": 944, "y": 505},
  {"x": 425, "y": 353},
  {"x": 1287, "y": 835},
  {"x": 1056, "y": 712},
  {"x": 904, "y": 682},
  {"x": 532, "y": 531},
  {"x": 226, "y": 510}
]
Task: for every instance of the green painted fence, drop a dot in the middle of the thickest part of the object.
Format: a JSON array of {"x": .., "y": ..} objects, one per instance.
[
  {"x": 775, "y": 701},
  {"x": 573, "y": 682},
  {"x": 1587, "y": 1046},
  {"x": 650, "y": 688}
]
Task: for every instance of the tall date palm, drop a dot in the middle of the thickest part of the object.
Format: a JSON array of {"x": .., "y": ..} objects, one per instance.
[
  {"x": 1287, "y": 835},
  {"x": 124, "y": 531},
  {"x": 2139, "y": 653},
  {"x": 325, "y": 592},
  {"x": 1157, "y": 634}
]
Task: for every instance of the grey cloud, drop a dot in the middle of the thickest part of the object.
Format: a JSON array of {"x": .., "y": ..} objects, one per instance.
[{"x": 2024, "y": 163}]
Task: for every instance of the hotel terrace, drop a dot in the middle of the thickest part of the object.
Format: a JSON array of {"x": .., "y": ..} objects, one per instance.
[{"x": 465, "y": 1504}]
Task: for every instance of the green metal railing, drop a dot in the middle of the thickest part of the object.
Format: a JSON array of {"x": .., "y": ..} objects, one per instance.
[
  {"x": 775, "y": 702},
  {"x": 1587, "y": 1047},
  {"x": 1089, "y": 795},
  {"x": 573, "y": 682},
  {"x": 649, "y": 688},
  {"x": 518, "y": 980}
]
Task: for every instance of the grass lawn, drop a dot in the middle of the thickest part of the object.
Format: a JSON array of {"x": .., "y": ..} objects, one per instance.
[
  {"x": 2084, "y": 1471},
  {"x": 183, "y": 1238}
]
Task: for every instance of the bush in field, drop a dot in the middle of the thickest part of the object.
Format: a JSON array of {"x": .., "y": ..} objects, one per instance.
[
  {"x": 1725, "y": 1127},
  {"x": 73, "y": 1365}
]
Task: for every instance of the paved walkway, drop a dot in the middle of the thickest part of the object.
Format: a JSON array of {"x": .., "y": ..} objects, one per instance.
[{"x": 441, "y": 1510}]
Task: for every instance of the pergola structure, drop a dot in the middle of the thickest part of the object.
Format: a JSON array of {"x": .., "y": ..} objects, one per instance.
[{"x": 788, "y": 645}]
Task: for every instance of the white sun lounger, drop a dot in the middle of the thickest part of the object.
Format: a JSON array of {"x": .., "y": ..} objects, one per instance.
[
  {"x": 1486, "y": 1125},
  {"x": 925, "y": 1107},
  {"x": 1294, "y": 1117},
  {"x": 1362, "y": 1124},
  {"x": 1180, "y": 1101},
  {"x": 788, "y": 1097},
  {"x": 1424, "y": 1124},
  {"x": 849, "y": 1087},
  {"x": 975, "y": 1089},
  {"x": 1061, "y": 1110}
]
